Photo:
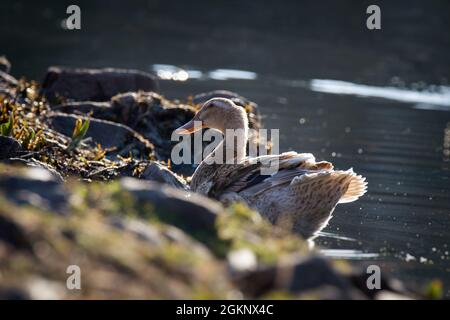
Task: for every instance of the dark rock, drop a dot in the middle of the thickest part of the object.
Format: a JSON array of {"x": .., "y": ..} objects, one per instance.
[
  {"x": 9, "y": 147},
  {"x": 192, "y": 213},
  {"x": 297, "y": 277},
  {"x": 154, "y": 236},
  {"x": 13, "y": 293},
  {"x": 12, "y": 234},
  {"x": 143, "y": 231},
  {"x": 314, "y": 272},
  {"x": 145, "y": 170},
  {"x": 175, "y": 235},
  {"x": 159, "y": 173},
  {"x": 145, "y": 112},
  {"x": 108, "y": 134},
  {"x": 34, "y": 186},
  {"x": 98, "y": 110},
  {"x": 36, "y": 164},
  {"x": 94, "y": 84},
  {"x": 152, "y": 116},
  {"x": 315, "y": 275}
]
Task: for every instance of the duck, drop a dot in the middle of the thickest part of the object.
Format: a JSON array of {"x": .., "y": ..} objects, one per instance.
[{"x": 300, "y": 193}]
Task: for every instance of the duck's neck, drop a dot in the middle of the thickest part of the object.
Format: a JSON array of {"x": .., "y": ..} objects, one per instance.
[{"x": 235, "y": 137}]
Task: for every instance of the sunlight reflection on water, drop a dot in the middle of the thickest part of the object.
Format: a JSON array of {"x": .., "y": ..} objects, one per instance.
[
  {"x": 230, "y": 74},
  {"x": 348, "y": 254},
  {"x": 171, "y": 72},
  {"x": 432, "y": 100},
  {"x": 334, "y": 236}
]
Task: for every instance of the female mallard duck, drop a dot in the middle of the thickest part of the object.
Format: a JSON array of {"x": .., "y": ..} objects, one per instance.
[{"x": 302, "y": 192}]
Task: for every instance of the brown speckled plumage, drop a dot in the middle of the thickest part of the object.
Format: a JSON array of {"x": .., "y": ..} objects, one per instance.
[{"x": 302, "y": 194}]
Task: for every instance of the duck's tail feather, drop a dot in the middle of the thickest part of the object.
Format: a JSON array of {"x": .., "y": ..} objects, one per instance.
[
  {"x": 356, "y": 188},
  {"x": 319, "y": 192},
  {"x": 347, "y": 184}
]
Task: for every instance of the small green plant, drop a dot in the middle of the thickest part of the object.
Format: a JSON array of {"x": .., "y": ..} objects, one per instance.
[
  {"x": 79, "y": 132},
  {"x": 434, "y": 290},
  {"x": 6, "y": 128},
  {"x": 29, "y": 136}
]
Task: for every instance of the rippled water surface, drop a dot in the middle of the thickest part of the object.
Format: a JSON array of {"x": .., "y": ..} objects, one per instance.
[{"x": 375, "y": 101}]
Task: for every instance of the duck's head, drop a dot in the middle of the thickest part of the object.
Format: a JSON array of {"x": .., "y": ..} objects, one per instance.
[{"x": 217, "y": 113}]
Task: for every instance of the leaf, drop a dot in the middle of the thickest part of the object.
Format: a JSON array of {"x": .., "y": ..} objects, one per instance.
[
  {"x": 31, "y": 135},
  {"x": 84, "y": 128},
  {"x": 79, "y": 132},
  {"x": 7, "y": 127}
]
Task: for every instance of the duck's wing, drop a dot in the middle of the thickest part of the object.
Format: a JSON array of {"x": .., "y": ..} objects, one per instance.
[
  {"x": 248, "y": 175},
  {"x": 212, "y": 179}
]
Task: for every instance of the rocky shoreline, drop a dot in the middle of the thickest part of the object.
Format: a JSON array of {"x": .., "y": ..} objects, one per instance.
[{"x": 85, "y": 179}]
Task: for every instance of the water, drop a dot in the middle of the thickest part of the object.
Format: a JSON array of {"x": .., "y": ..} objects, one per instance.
[{"x": 375, "y": 101}]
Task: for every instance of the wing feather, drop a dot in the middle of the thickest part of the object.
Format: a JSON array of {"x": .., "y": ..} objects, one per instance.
[{"x": 248, "y": 177}]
